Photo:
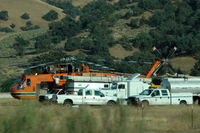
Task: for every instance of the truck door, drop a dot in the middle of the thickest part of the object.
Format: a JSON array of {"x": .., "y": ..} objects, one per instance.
[
  {"x": 99, "y": 98},
  {"x": 165, "y": 97},
  {"x": 156, "y": 98},
  {"x": 88, "y": 97},
  {"x": 121, "y": 91}
]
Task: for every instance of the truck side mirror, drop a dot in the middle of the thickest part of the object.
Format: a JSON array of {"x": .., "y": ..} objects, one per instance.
[{"x": 153, "y": 94}]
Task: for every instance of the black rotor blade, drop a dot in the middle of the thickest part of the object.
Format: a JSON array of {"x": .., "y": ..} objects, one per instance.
[
  {"x": 39, "y": 65},
  {"x": 172, "y": 52},
  {"x": 171, "y": 69}
]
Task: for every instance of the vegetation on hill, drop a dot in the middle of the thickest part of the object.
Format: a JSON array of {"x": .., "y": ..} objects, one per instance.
[
  {"x": 134, "y": 24},
  {"x": 50, "y": 16},
  {"x": 172, "y": 24},
  {"x": 4, "y": 15}
]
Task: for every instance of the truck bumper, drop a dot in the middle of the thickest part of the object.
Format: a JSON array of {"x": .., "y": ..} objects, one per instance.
[{"x": 133, "y": 101}]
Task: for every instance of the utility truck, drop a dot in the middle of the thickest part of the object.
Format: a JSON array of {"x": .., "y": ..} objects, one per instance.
[
  {"x": 180, "y": 85},
  {"x": 160, "y": 97},
  {"x": 85, "y": 96},
  {"x": 131, "y": 86},
  {"x": 120, "y": 87}
]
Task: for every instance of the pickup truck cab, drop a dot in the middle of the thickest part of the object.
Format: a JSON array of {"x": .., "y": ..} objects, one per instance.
[
  {"x": 160, "y": 97},
  {"x": 48, "y": 96},
  {"x": 84, "y": 96}
]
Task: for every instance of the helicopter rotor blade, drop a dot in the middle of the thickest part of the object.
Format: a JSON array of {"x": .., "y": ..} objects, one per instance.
[{"x": 31, "y": 67}]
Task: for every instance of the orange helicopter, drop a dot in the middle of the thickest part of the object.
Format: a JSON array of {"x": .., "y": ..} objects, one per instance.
[{"x": 28, "y": 86}]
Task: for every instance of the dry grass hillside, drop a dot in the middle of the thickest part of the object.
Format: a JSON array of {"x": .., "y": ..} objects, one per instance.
[
  {"x": 184, "y": 63},
  {"x": 35, "y": 8},
  {"x": 119, "y": 52}
]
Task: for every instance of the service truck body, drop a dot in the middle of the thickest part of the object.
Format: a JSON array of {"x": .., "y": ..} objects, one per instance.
[
  {"x": 160, "y": 97},
  {"x": 180, "y": 85},
  {"x": 75, "y": 83},
  {"x": 124, "y": 89}
]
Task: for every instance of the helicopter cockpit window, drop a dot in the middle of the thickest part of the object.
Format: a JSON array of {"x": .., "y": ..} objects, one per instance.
[
  {"x": 21, "y": 86},
  {"x": 28, "y": 82}
]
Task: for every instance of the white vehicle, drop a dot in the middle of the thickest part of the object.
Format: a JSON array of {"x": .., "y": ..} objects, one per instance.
[
  {"x": 75, "y": 83},
  {"x": 48, "y": 96},
  {"x": 180, "y": 85},
  {"x": 160, "y": 97},
  {"x": 124, "y": 89},
  {"x": 85, "y": 96},
  {"x": 120, "y": 87}
]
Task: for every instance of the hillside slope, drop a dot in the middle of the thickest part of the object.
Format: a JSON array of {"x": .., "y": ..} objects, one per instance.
[{"x": 35, "y": 8}]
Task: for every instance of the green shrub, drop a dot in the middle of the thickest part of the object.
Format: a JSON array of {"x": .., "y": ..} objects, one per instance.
[
  {"x": 134, "y": 23},
  {"x": 20, "y": 45},
  {"x": 50, "y": 16},
  {"x": 6, "y": 29},
  {"x": 4, "y": 15},
  {"x": 5, "y": 86},
  {"x": 25, "y": 16},
  {"x": 137, "y": 11},
  {"x": 12, "y": 26}
]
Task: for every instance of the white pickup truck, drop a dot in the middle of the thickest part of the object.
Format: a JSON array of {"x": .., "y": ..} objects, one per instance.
[
  {"x": 160, "y": 97},
  {"x": 48, "y": 96},
  {"x": 85, "y": 96}
]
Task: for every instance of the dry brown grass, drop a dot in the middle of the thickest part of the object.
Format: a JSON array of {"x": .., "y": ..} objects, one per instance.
[
  {"x": 184, "y": 63},
  {"x": 119, "y": 52},
  {"x": 35, "y": 8}
]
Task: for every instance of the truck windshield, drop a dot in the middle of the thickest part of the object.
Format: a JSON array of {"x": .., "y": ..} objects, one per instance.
[
  {"x": 53, "y": 92},
  {"x": 146, "y": 92},
  {"x": 114, "y": 86}
]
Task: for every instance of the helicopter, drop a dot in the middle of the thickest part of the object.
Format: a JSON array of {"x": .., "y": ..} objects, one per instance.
[{"x": 28, "y": 86}]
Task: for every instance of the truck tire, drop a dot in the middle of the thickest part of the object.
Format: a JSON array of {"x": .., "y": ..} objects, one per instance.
[
  {"x": 183, "y": 102},
  {"x": 68, "y": 103},
  {"x": 144, "y": 104},
  {"x": 111, "y": 103}
]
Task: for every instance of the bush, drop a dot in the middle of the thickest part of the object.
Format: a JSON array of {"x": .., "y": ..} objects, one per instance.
[
  {"x": 43, "y": 43},
  {"x": 20, "y": 45},
  {"x": 25, "y": 16},
  {"x": 28, "y": 23},
  {"x": 50, "y": 16},
  {"x": 125, "y": 43},
  {"x": 73, "y": 44},
  {"x": 5, "y": 86},
  {"x": 134, "y": 23},
  {"x": 4, "y": 15},
  {"x": 150, "y": 4},
  {"x": 6, "y": 29},
  {"x": 137, "y": 11},
  {"x": 127, "y": 15},
  {"x": 29, "y": 26},
  {"x": 12, "y": 26}
]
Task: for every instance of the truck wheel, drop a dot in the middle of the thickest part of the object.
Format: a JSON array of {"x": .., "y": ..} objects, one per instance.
[
  {"x": 68, "y": 103},
  {"x": 144, "y": 104},
  {"x": 111, "y": 103},
  {"x": 183, "y": 102}
]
